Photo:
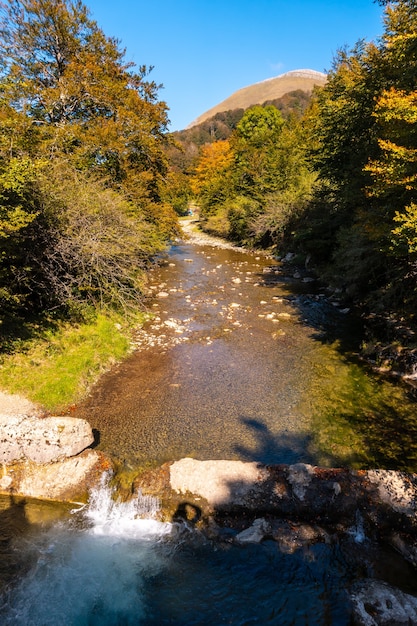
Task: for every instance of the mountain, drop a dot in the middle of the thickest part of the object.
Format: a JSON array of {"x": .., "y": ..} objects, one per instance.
[{"x": 270, "y": 89}]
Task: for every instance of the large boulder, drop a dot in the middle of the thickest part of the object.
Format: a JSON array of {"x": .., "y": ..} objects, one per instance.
[
  {"x": 42, "y": 440},
  {"x": 376, "y": 603},
  {"x": 299, "y": 490},
  {"x": 69, "y": 480},
  {"x": 380, "y": 503},
  {"x": 47, "y": 457},
  {"x": 385, "y": 498}
]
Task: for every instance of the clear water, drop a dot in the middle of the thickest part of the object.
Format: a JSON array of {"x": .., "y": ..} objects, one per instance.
[
  {"x": 239, "y": 362},
  {"x": 242, "y": 361},
  {"x": 113, "y": 564}
]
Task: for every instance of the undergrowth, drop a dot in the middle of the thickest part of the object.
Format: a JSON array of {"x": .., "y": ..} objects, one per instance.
[{"x": 56, "y": 369}]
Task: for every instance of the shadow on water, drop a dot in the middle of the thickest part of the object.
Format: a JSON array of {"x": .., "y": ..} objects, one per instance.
[
  {"x": 14, "y": 524},
  {"x": 353, "y": 407},
  {"x": 286, "y": 448},
  {"x": 289, "y": 448}
]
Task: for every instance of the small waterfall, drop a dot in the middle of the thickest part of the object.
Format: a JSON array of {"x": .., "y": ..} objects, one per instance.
[
  {"x": 133, "y": 519},
  {"x": 93, "y": 571},
  {"x": 112, "y": 563}
]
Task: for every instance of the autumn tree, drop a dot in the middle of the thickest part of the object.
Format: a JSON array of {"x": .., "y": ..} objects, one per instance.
[
  {"x": 363, "y": 129},
  {"x": 342, "y": 138},
  {"x": 209, "y": 181},
  {"x": 250, "y": 187},
  {"x": 71, "y": 105}
]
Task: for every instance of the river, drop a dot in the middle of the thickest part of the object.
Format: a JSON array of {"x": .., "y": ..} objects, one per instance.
[{"x": 243, "y": 359}]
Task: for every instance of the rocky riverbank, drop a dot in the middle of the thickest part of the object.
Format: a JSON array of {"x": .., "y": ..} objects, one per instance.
[
  {"x": 230, "y": 501},
  {"x": 297, "y": 506},
  {"x": 46, "y": 457}
]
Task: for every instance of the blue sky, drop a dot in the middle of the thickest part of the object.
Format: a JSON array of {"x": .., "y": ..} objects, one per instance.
[{"x": 203, "y": 51}]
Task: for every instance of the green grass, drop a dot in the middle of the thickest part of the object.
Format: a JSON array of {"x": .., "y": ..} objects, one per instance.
[{"x": 58, "y": 369}]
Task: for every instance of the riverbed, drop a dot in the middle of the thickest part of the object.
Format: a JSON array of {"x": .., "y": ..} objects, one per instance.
[
  {"x": 244, "y": 357},
  {"x": 247, "y": 358}
]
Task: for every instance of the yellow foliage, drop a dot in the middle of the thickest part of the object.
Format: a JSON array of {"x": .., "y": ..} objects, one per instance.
[
  {"x": 214, "y": 160},
  {"x": 396, "y": 113},
  {"x": 406, "y": 232}
]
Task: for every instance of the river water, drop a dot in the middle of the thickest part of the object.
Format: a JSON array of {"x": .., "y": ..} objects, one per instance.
[
  {"x": 241, "y": 360},
  {"x": 244, "y": 361}
]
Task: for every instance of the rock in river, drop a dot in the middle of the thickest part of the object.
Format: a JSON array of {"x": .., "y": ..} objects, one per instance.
[
  {"x": 376, "y": 603},
  {"x": 47, "y": 457},
  {"x": 42, "y": 440}
]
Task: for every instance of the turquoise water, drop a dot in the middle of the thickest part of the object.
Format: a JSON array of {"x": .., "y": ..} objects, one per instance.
[
  {"x": 112, "y": 564},
  {"x": 240, "y": 361}
]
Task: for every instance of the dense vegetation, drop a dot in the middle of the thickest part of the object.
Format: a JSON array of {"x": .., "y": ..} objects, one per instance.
[
  {"x": 82, "y": 165},
  {"x": 338, "y": 184},
  {"x": 222, "y": 124},
  {"x": 91, "y": 182}
]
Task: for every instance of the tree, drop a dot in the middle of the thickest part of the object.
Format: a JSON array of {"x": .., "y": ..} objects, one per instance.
[
  {"x": 71, "y": 80},
  {"x": 209, "y": 181},
  {"x": 72, "y": 107},
  {"x": 363, "y": 129}
]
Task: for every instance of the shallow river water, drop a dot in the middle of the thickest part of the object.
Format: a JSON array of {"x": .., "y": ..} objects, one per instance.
[{"x": 240, "y": 361}]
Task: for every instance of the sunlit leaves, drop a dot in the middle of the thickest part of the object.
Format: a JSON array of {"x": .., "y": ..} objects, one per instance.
[
  {"x": 210, "y": 180},
  {"x": 18, "y": 206},
  {"x": 405, "y": 234},
  {"x": 396, "y": 169},
  {"x": 73, "y": 110}
]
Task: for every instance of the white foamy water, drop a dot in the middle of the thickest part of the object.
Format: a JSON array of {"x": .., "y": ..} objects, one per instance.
[
  {"x": 114, "y": 564},
  {"x": 133, "y": 519},
  {"x": 93, "y": 575}
]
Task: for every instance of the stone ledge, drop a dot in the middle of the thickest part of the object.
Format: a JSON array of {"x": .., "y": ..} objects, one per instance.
[
  {"x": 42, "y": 440},
  {"x": 378, "y": 503},
  {"x": 69, "y": 480}
]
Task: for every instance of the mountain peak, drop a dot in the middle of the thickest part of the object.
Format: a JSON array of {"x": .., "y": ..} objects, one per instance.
[
  {"x": 268, "y": 89},
  {"x": 313, "y": 74}
]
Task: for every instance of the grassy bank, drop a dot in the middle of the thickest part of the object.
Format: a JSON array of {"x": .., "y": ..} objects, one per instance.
[{"x": 56, "y": 369}]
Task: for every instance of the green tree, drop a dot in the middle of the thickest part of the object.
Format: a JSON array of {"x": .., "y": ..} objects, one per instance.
[
  {"x": 363, "y": 132},
  {"x": 257, "y": 152},
  {"x": 340, "y": 230},
  {"x": 251, "y": 187},
  {"x": 72, "y": 107}
]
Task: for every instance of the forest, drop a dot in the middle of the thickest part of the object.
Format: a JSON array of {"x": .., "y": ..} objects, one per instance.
[
  {"x": 92, "y": 182},
  {"x": 82, "y": 165},
  {"x": 337, "y": 183}
]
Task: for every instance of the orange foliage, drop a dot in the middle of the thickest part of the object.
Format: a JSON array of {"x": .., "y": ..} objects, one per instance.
[{"x": 214, "y": 160}]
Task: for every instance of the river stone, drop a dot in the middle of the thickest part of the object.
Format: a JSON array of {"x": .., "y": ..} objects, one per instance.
[
  {"x": 396, "y": 489},
  {"x": 300, "y": 476},
  {"x": 65, "y": 480},
  {"x": 42, "y": 440},
  {"x": 218, "y": 482},
  {"x": 406, "y": 545},
  {"x": 376, "y": 603},
  {"x": 255, "y": 533}
]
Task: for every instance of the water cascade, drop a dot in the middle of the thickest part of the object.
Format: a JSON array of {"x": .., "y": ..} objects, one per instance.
[
  {"x": 113, "y": 563},
  {"x": 238, "y": 363}
]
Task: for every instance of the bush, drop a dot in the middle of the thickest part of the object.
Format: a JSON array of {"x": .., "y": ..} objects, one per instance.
[{"x": 95, "y": 245}]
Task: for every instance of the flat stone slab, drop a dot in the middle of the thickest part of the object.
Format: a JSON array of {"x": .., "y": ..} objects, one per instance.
[
  {"x": 68, "y": 480},
  {"x": 376, "y": 603},
  {"x": 42, "y": 440},
  {"x": 218, "y": 482}
]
